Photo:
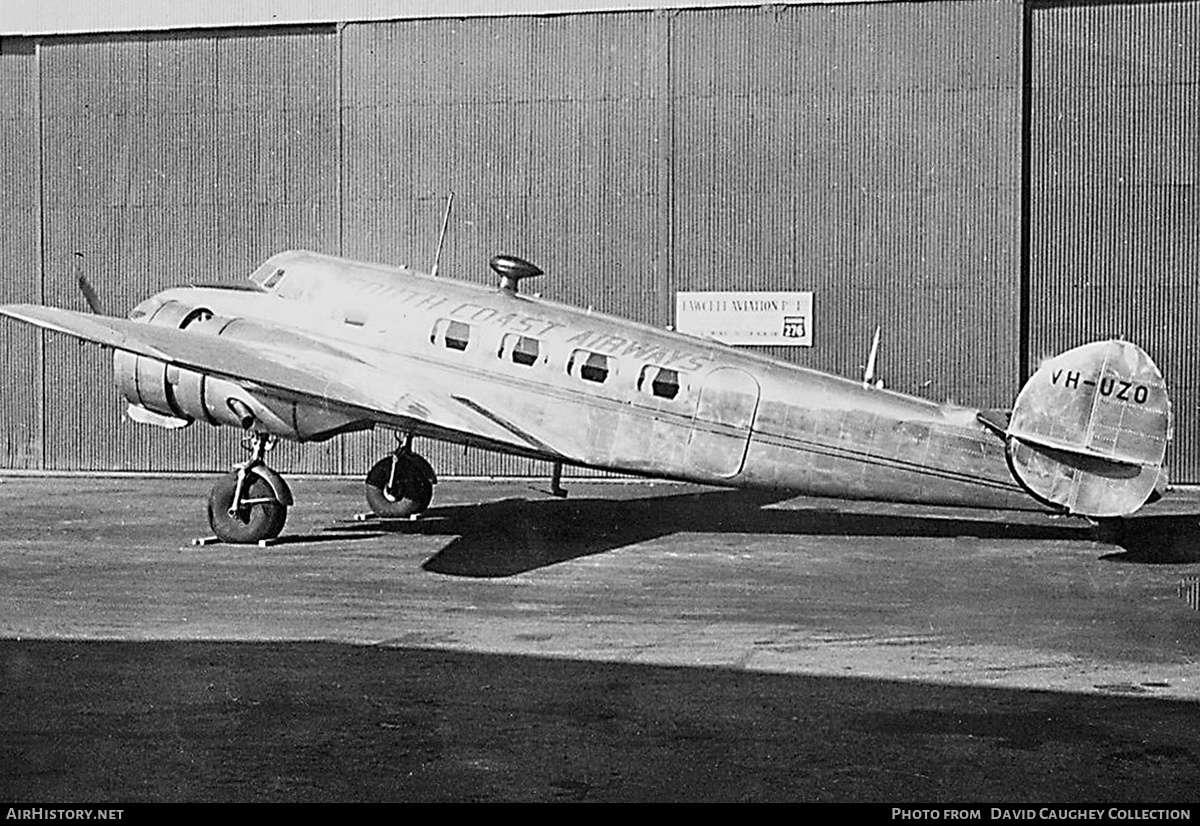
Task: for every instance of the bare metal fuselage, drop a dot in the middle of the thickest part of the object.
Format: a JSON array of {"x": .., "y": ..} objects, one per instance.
[{"x": 536, "y": 378}]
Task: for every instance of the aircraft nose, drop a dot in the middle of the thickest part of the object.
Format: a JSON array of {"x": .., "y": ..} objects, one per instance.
[{"x": 145, "y": 309}]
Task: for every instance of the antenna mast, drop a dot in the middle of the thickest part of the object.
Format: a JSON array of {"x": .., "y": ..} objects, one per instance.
[
  {"x": 442, "y": 237},
  {"x": 869, "y": 379}
]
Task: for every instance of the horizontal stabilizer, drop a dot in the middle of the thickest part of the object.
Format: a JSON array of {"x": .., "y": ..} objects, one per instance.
[
  {"x": 1089, "y": 430},
  {"x": 995, "y": 420}
]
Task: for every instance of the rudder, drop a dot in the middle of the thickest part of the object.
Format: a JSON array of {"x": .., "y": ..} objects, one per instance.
[{"x": 1089, "y": 430}]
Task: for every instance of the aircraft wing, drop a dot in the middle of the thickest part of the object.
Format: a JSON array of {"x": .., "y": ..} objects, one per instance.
[
  {"x": 306, "y": 369},
  {"x": 225, "y": 358}
]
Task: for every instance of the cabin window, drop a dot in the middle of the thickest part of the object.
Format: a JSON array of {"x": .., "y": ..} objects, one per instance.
[
  {"x": 453, "y": 335},
  {"x": 659, "y": 381},
  {"x": 520, "y": 349},
  {"x": 273, "y": 279},
  {"x": 589, "y": 366}
]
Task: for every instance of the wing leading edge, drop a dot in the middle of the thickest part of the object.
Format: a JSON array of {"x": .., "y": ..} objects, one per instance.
[
  {"x": 317, "y": 374},
  {"x": 225, "y": 358}
]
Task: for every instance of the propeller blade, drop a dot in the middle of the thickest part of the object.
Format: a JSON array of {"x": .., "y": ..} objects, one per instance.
[{"x": 89, "y": 292}]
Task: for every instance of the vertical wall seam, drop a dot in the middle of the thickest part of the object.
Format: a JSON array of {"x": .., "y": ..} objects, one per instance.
[
  {"x": 340, "y": 195},
  {"x": 216, "y": 148},
  {"x": 40, "y": 356},
  {"x": 669, "y": 104},
  {"x": 1024, "y": 251},
  {"x": 340, "y": 139}
]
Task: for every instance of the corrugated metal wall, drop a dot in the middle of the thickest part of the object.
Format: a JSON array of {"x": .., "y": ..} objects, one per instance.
[
  {"x": 871, "y": 153},
  {"x": 169, "y": 159},
  {"x": 1115, "y": 176},
  {"x": 20, "y": 205},
  {"x": 632, "y": 155},
  {"x": 551, "y": 134}
]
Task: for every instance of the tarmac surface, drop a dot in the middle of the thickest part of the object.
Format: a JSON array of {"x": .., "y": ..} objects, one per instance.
[{"x": 634, "y": 642}]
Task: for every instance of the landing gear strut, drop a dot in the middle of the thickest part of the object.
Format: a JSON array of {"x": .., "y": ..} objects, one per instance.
[
  {"x": 400, "y": 486},
  {"x": 249, "y": 504}
]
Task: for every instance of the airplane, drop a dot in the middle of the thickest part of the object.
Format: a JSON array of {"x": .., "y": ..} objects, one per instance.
[{"x": 313, "y": 346}]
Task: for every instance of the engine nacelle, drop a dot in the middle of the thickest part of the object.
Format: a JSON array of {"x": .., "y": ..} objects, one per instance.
[{"x": 184, "y": 396}]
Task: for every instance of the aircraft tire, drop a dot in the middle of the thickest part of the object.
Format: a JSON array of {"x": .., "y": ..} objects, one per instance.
[
  {"x": 409, "y": 496},
  {"x": 263, "y": 520}
]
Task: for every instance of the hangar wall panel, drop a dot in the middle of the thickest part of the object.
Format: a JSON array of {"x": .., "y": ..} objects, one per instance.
[
  {"x": 867, "y": 153},
  {"x": 550, "y": 132},
  {"x": 1115, "y": 239},
  {"x": 870, "y": 154},
  {"x": 20, "y": 281},
  {"x": 170, "y": 160}
]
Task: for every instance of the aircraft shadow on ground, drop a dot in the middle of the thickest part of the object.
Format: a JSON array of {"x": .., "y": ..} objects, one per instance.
[
  {"x": 1154, "y": 539},
  {"x": 512, "y": 536}
]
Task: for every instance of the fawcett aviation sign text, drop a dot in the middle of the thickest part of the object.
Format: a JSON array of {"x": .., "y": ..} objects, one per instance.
[{"x": 746, "y": 318}]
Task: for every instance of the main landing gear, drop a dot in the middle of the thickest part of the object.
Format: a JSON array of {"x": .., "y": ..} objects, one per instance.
[
  {"x": 400, "y": 486},
  {"x": 249, "y": 504}
]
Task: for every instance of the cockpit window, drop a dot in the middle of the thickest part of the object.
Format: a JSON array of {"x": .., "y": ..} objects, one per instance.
[
  {"x": 273, "y": 279},
  {"x": 146, "y": 308},
  {"x": 198, "y": 314}
]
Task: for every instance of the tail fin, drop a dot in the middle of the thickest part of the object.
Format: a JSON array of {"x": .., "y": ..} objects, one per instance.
[{"x": 1089, "y": 430}]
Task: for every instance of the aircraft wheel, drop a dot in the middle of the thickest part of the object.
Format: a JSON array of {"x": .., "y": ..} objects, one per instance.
[
  {"x": 261, "y": 517},
  {"x": 409, "y": 494}
]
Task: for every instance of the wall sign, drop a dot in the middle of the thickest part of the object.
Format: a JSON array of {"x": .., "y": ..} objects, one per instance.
[{"x": 746, "y": 318}]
